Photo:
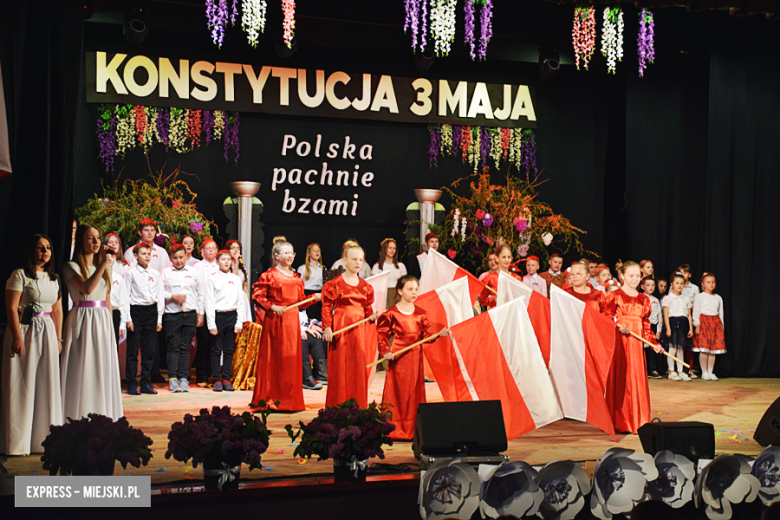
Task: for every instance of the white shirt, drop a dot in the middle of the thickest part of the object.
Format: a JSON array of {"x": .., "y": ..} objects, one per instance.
[
  {"x": 184, "y": 281},
  {"x": 158, "y": 262},
  {"x": 120, "y": 268},
  {"x": 708, "y": 305},
  {"x": 593, "y": 281},
  {"x": 553, "y": 273},
  {"x": 678, "y": 305},
  {"x": 689, "y": 292},
  {"x": 395, "y": 274},
  {"x": 314, "y": 283},
  {"x": 537, "y": 283},
  {"x": 655, "y": 310},
  {"x": 142, "y": 287},
  {"x": 224, "y": 293},
  {"x": 206, "y": 269},
  {"x": 364, "y": 273},
  {"x": 191, "y": 261}
]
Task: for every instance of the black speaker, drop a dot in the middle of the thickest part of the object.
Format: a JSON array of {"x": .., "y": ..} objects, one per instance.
[
  {"x": 768, "y": 429},
  {"x": 695, "y": 440},
  {"x": 459, "y": 429}
]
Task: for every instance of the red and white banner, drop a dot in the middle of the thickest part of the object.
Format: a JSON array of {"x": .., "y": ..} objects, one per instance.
[
  {"x": 582, "y": 344},
  {"x": 447, "y": 306},
  {"x": 503, "y": 362},
  {"x": 440, "y": 271},
  {"x": 379, "y": 283},
  {"x": 5, "y": 147},
  {"x": 510, "y": 288}
]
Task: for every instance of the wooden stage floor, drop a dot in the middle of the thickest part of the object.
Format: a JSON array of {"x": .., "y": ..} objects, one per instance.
[{"x": 733, "y": 406}]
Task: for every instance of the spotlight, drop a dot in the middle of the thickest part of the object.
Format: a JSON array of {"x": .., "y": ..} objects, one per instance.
[
  {"x": 135, "y": 30},
  {"x": 283, "y": 51},
  {"x": 549, "y": 62},
  {"x": 424, "y": 60},
  {"x": 87, "y": 10}
]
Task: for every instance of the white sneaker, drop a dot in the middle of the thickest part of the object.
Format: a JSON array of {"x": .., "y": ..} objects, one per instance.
[
  {"x": 713, "y": 377},
  {"x": 705, "y": 376},
  {"x": 693, "y": 375},
  {"x": 673, "y": 376},
  {"x": 684, "y": 376}
]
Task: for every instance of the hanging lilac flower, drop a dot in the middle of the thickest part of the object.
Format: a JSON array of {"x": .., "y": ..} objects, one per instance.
[
  {"x": 413, "y": 19},
  {"x": 487, "y": 220},
  {"x": 163, "y": 124},
  {"x": 217, "y": 17},
  {"x": 528, "y": 152},
  {"x": 457, "y": 133},
  {"x": 231, "y": 136},
  {"x": 208, "y": 124},
  {"x": 484, "y": 145},
  {"x": 645, "y": 41},
  {"x": 107, "y": 142},
  {"x": 234, "y": 12},
  {"x": 424, "y": 29},
  {"x": 486, "y": 27},
  {"x": 522, "y": 250},
  {"x": 434, "y": 146},
  {"x": 468, "y": 26}
]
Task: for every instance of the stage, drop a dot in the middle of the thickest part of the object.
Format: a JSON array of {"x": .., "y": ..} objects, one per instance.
[{"x": 733, "y": 406}]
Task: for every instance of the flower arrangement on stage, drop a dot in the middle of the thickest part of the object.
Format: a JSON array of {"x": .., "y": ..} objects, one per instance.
[
  {"x": 440, "y": 29},
  {"x": 583, "y": 35},
  {"x": 166, "y": 199},
  {"x": 344, "y": 431},
  {"x": 220, "y": 435},
  {"x": 645, "y": 41},
  {"x": 612, "y": 37},
  {"x": 491, "y": 215},
  {"x": 476, "y": 145},
  {"x": 252, "y": 18},
  {"x": 121, "y": 128},
  {"x": 91, "y": 446}
]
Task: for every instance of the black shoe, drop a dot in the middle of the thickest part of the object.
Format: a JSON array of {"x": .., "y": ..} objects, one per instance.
[
  {"x": 322, "y": 371},
  {"x": 132, "y": 389},
  {"x": 227, "y": 387},
  {"x": 308, "y": 381},
  {"x": 146, "y": 388},
  {"x": 654, "y": 375},
  {"x": 158, "y": 378}
]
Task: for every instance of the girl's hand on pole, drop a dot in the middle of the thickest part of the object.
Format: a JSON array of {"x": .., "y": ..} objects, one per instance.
[
  {"x": 624, "y": 330},
  {"x": 277, "y": 309},
  {"x": 327, "y": 334},
  {"x": 389, "y": 356},
  {"x": 658, "y": 349},
  {"x": 444, "y": 332},
  {"x": 373, "y": 317}
]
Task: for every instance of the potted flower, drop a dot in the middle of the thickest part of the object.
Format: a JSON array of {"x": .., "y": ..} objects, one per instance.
[
  {"x": 91, "y": 446},
  {"x": 221, "y": 441},
  {"x": 348, "y": 434}
]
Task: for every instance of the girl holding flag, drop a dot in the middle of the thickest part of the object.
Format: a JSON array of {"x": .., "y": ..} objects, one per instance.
[{"x": 488, "y": 297}]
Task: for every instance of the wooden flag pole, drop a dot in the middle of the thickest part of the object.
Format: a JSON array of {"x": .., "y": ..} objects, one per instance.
[
  {"x": 643, "y": 340},
  {"x": 396, "y": 354},
  {"x": 345, "y": 329},
  {"x": 294, "y": 305}
]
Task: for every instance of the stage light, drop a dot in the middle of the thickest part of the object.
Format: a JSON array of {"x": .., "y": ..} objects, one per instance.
[
  {"x": 283, "y": 51},
  {"x": 424, "y": 59},
  {"x": 135, "y": 29},
  {"x": 87, "y": 11},
  {"x": 549, "y": 62}
]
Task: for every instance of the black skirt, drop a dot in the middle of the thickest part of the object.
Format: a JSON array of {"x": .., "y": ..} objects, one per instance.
[{"x": 679, "y": 338}]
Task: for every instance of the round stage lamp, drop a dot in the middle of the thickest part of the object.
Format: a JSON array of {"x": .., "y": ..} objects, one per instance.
[
  {"x": 136, "y": 31},
  {"x": 549, "y": 62}
]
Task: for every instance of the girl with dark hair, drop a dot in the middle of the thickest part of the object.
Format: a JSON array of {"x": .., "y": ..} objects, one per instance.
[
  {"x": 189, "y": 247},
  {"x": 90, "y": 365},
  {"x": 31, "y": 399},
  {"x": 388, "y": 261}
]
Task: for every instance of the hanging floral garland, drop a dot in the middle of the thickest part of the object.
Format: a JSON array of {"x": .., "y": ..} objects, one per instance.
[
  {"x": 485, "y": 26},
  {"x": 121, "y": 128},
  {"x": 288, "y": 25},
  {"x": 442, "y": 25},
  {"x": 476, "y": 145},
  {"x": 217, "y": 16},
  {"x": 469, "y": 26},
  {"x": 412, "y": 21},
  {"x": 645, "y": 41},
  {"x": 253, "y": 19},
  {"x": 612, "y": 37},
  {"x": 584, "y": 35}
]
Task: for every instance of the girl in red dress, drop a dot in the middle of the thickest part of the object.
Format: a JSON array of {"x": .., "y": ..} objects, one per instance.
[
  {"x": 581, "y": 289},
  {"x": 628, "y": 396},
  {"x": 709, "y": 340},
  {"x": 279, "y": 359},
  {"x": 347, "y": 299},
  {"x": 405, "y": 380},
  {"x": 488, "y": 298}
]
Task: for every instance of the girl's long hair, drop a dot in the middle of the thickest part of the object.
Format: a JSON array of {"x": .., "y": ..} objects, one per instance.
[
  {"x": 240, "y": 260},
  {"x": 30, "y": 245},
  {"x": 97, "y": 258},
  {"x": 383, "y": 253},
  {"x": 307, "y": 269},
  {"x": 120, "y": 255}
]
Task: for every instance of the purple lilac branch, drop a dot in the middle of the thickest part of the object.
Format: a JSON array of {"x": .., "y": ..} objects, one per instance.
[
  {"x": 486, "y": 28},
  {"x": 424, "y": 30},
  {"x": 163, "y": 124},
  {"x": 434, "y": 146},
  {"x": 107, "y": 141},
  {"x": 208, "y": 124},
  {"x": 457, "y": 135},
  {"x": 468, "y": 24},
  {"x": 484, "y": 145},
  {"x": 528, "y": 153},
  {"x": 413, "y": 19},
  {"x": 645, "y": 41}
]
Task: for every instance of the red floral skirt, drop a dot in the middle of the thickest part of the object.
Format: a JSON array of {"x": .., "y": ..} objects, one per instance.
[{"x": 710, "y": 338}]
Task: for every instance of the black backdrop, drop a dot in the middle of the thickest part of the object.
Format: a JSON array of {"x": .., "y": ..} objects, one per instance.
[{"x": 681, "y": 166}]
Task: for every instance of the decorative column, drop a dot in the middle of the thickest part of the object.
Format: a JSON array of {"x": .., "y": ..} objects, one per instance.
[
  {"x": 245, "y": 191},
  {"x": 427, "y": 199}
]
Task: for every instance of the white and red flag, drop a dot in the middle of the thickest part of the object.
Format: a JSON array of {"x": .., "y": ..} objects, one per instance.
[
  {"x": 379, "y": 283},
  {"x": 502, "y": 361},
  {"x": 582, "y": 344},
  {"x": 439, "y": 270},
  {"x": 447, "y": 306},
  {"x": 509, "y": 288}
]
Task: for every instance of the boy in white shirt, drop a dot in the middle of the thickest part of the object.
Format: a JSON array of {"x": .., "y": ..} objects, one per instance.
[
  {"x": 648, "y": 287},
  {"x": 142, "y": 313},
  {"x": 532, "y": 279},
  {"x": 205, "y": 268},
  {"x": 431, "y": 242},
  {"x": 689, "y": 292}
]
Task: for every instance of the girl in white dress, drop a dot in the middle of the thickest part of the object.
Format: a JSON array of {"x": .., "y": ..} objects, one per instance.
[
  {"x": 238, "y": 269},
  {"x": 31, "y": 373},
  {"x": 388, "y": 261},
  {"x": 90, "y": 366}
]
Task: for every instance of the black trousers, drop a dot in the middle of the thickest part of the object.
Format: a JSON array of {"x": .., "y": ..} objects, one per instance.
[
  {"x": 222, "y": 345},
  {"x": 314, "y": 347},
  {"x": 179, "y": 328},
  {"x": 650, "y": 355},
  {"x": 202, "y": 362},
  {"x": 116, "y": 316},
  {"x": 143, "y": 337},
  {"x": 314, "y": 311}
]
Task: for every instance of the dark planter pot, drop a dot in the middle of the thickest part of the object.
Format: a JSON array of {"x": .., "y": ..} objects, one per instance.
[
  {"x": 103, "y": 469},
  {"x": 350, "y": 471},
  {"x": 215, "y": 470}
]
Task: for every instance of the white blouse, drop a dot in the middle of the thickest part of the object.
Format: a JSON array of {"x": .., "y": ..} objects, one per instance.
[
  {"x": 395, "y": 274},
  {"x": 708, "y": 305},
  {"x": 314, "y": 283},
  {"x": 678, "y": 305},
  {"x": 44, "y": 291}
]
